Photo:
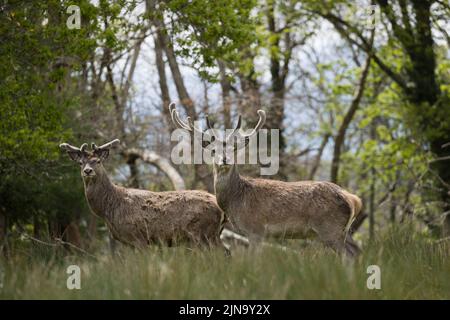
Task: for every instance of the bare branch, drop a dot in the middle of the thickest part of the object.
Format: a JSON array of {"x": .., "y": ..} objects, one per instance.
[{"x": 161, "y": 163}]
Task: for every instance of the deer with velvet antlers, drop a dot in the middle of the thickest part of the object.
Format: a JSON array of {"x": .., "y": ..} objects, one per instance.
[
  {"x": 259, "y": 208},
  {"x": 140, "y": 217}
]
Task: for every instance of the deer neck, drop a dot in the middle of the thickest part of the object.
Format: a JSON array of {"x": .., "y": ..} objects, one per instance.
[
  {"x": 227, "y": 186},
  {"x": 101, "y": 195}
]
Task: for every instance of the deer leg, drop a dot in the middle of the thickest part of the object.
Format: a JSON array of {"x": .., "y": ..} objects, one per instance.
[
  {"x": 231, "y": 238},
  {"x": 331, "y": 235},
  {"x": 218, "y": 242},
  {"x": 336, "y": 244},
  {"x": 225, "y": 249},
  {"x": 351, "y": 247}
]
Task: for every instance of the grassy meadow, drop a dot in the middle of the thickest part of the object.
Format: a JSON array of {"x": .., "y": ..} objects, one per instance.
[{"x": 412, "y": 267}]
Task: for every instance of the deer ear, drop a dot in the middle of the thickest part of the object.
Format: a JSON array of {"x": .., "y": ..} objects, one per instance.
[
  {"x": 75, "y": 155},
  {"x": 102, "y": 154}
]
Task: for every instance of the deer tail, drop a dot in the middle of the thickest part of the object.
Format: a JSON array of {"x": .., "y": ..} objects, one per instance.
[{"x": 355, "y": 205}]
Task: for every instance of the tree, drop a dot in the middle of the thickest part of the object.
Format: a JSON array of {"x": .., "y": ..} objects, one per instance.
[
  {"x": 410, "y": 24},
  {"x": 39, "y": 54}
]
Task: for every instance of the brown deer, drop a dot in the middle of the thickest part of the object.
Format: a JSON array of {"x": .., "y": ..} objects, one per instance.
[
  {"x": 140, "y": 217},
  {"x": 259, "y": 208}
]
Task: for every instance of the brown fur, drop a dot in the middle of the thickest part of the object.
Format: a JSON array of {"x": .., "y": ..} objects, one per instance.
[
  {"x": 140, "y": 217},
  {"x": 260, "y": 208}
]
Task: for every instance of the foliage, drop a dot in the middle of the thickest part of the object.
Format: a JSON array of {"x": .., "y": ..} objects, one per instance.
[
  {"x": 206, "y": 31},
  {"x": 41, "y": 60}
]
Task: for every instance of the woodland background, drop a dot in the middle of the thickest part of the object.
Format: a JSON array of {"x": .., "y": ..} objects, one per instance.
[{"x": 367, "y": 108}]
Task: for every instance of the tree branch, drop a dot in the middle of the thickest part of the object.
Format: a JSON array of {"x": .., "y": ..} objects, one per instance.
[
  {"x": 340, "y": 137},
  {"x": 161, "y": 163}
]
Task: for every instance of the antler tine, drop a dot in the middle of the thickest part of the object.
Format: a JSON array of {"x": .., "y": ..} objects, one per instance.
[
  {"x": 210, "y": 126},
  {"x": 171, "y": 107},
  {"x": 186, "y": 125},
  {"x": 259, "y": 125},
  {"x": 68, "y": 147},
  {"x": 239, "y": 123},
  {"x": 110, "y": 144},
  {"x": 83, "y": 147},
  {"x": 193, "y": 128},
  {"x": 262, "y": 119},
  {"x": 176, "y": 118},
  {"x": 236, "y": 128}
]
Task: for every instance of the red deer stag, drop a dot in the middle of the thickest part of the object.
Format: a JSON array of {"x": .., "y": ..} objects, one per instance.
[
  {"x": 140, "y": 217},
  {"x": 259, "y": 208}
]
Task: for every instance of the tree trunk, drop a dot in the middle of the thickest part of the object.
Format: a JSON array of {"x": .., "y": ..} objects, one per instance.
[
  {"x": 3, "y": 234},
  {"x": 278, "y": 74},
  {"x": 226, "y": 98},
  {"x": 72, "y": 234},
  {"x": 134, "y": 172},
  {"x": 37, "y": 227},
  {"x": 340, "y": 137},
  {"x": 420, "y": 86},
  {"x": 318, "y": 157},
  {"x": 426, "y": 93},
  {"x": 392, "y": 210},
  {"x": 372, "y": 189},
  {"x": 185, "y": 98},
  {"x": 165, "y": 94},
  {"x": 188, "y": 104}
]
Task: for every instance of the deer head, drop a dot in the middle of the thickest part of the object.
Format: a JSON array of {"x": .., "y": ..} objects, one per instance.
[
  {"x": 231, "y": 143},
  {"x": 89, "y": 161}
]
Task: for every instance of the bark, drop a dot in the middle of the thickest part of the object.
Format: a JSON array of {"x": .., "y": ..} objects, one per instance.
[
  {"x": 318, "y": 157},
  {"x": 250, "y": 98},
  {"x": 119, "y": 107},
  {"x": 134, "y": 173},
  {"x": 183, "y": 94},
  {"x": 72, "y": 234},
  {"x": 161, "y": 163},
  {"x": 205, "y": 107},
  {"x": 3, "y": 233},
  {"x": 340, "y": 137},
  {"x": 278, "y": 74},
  {"x": 134, "y": 58},
  {"x": 372, "y": 191},
  {"x": 372, "y": 205},
  {"x": 226, "y": 98},
  {"x": 120, "y": 97},
  {"x": 165, "y": 94},
  {"x": 37, "y": 227},
  {"x": 392, "y": 210},
  {"x": 280, "y": 58}
]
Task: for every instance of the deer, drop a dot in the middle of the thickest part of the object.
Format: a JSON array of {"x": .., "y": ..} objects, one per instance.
[
  {"x": 140, "y": 218},
  {"x": 262, "y": 208}
]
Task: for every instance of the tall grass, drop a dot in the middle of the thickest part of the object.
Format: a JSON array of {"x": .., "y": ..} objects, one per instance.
[{"x": 412, "y": 267}]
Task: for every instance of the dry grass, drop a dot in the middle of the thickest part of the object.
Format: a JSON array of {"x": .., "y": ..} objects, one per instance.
[{"x": 412, "y": 267}]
